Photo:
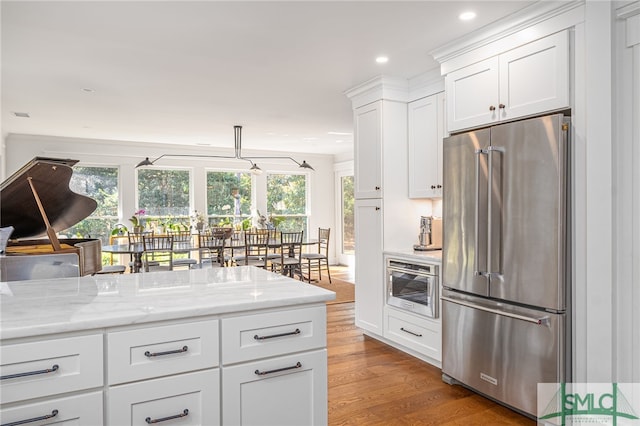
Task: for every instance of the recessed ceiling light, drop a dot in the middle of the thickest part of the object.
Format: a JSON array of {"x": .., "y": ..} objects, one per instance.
[
  {"x": 22, "y": 114},
  {"x": 467, "y": 16},
  {"x": 382, "y": 59}
]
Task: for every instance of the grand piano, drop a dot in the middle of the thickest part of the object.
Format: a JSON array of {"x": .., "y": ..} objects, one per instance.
[{"x": 37, "y": 202}]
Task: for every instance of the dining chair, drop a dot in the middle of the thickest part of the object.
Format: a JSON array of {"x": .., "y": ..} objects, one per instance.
[
  {"x": 290, "y": 261},
  {"x": 256, "y": 248},
  {"x": 318, "y": 260},
  {"x": 182, "y": 247},
  {"x": 158, "y": 252},
  {"x": 136, "y": 239},
  {"x": 212, "y": 244}
]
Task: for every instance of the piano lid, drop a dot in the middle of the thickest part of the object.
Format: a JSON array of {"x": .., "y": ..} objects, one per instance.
[{"x": 50, "y": 178}]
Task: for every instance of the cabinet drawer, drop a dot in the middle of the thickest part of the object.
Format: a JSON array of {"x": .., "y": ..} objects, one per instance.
[
  {"x": 421, "y": 335},
  {"x": 190, "y": 399},
  {"x": 160, "y": 351},
  {"x": 81, "y": 409},
  {"x": 288, "y": 390},
  {"x": 31, "y": 370},
  {"x": 275, "y": 333}
]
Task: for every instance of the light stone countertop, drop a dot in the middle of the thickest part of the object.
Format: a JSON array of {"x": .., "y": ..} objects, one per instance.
[
  {"x": 433, "y": 256},
  {"x": 40, "y": 307}
]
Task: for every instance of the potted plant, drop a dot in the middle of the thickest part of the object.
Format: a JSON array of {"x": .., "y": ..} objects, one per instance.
[{"x": 137, "y": 221}]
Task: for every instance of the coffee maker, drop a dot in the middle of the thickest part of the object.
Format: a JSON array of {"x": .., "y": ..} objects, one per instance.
[{"x": 430, "y": 236}]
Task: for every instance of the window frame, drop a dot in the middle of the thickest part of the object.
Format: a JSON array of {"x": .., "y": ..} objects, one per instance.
[
  {"x": 190, "y": 207},
  {"x": 252, "y": 198},
  {"x": 307, "y": 215},
  {"x": 115, "y": 219}
]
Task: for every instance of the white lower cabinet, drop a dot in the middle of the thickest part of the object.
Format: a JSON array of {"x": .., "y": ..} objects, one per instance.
[
  {"x": 420, "y": 334},
  {"x": 273, "y": 372},
  {"x": 185, "y": 399},
  {"x": 287, "y": 390},
  {"x": 369, "y": 270},
  {"x": 85, "y": 409},
  {"x": 49, "y": 367}
]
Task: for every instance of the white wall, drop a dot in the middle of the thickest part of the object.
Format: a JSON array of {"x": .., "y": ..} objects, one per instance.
[
  {"x": 626, "y": 198},
  {"x": 125, "y": 155}
]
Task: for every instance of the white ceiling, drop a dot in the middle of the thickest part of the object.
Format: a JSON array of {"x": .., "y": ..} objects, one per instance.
[{"x": 186, "y": 72}]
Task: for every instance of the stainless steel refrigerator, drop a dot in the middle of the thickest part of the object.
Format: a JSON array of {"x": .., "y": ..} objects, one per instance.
[{"x": 506, "y": 259}]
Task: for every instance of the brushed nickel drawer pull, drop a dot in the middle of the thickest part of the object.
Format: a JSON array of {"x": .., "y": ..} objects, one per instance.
[
  {"x": 410, "y": 332},
  {"x": 31, "y": 373},
  {"x": 271, "y": 336},
  {"x": 293, "y": 367},
  {"x": 35, "y": 419},
  {"x": 149, "y": 420},
  {"x": 177, "y": 351}
]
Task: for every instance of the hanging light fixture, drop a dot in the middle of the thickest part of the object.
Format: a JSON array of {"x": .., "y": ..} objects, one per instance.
[{"x": 237, "y": 155}]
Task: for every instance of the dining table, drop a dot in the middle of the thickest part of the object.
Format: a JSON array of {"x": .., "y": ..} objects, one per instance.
[{"x": 137, "y": 250}]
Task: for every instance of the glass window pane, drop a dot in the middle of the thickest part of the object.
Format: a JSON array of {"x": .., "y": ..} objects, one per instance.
[
  {"x": 287, "y": 201},
  {"x": 228, "y": 197},
  {"x": 286, "y": 194},
  {"x": 101, "y": 184},
  {"x": 348, "y": 236},
  {"x": 164, "y": 193},
  {"x": 163, "y": 199}
]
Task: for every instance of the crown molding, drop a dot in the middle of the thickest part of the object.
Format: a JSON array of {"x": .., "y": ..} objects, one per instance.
[
  {"x": 629, "y": 10},
  {"x": 528, "y": 17},
  {"x": 379, "y": 88}
]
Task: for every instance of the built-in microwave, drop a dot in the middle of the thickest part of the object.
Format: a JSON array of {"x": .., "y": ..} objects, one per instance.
[{"x": 413, "y": 287}]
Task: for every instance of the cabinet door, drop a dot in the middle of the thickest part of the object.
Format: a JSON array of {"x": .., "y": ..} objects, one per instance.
[
  {"x": 185, "y": 399},
  {"x": 251, "y": 337},
  {"x": 420, "y": 334},
  {"x": 472, "y": 95},
  {"x": 368, "y": 151},
  {"x": 49, "y": 367},
  {"x": 369, "y": 265},
  {"x": 534, "y": 78},
  {"x": 425, "y": 147},
  {"x": 289, "y": 390},
  {"x": 83, "y": 409}
]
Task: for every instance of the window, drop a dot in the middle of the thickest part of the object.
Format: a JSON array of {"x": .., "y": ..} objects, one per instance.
[
  {"x": 287, "y": 201},
  {"x": 101, "y": 184},
  {"x": 229, "y": 198},
  {"x": 164, "y": 195},
  {"x": 348, "y": 234}
]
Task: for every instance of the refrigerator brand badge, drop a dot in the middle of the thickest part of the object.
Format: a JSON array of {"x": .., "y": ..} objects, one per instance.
[
  {"x": 616, "y": 404},
  {"x": 489, "y": 379}
]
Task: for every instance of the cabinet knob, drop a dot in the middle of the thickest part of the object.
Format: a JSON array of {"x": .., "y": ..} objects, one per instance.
[
  {"x": 377, "y": 188},
  {"x": 433, "y": 187},
  {"x": 492, "y": 108},
  {"x": 377, "y": 208},
  {"x": 502, "y": 106},
  {"x": 438, "y": 186}
]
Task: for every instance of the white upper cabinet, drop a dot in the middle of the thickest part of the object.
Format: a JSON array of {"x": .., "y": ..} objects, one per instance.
[
  {"x": 527, "y": 80},
  {"x": 368, "y": 151},
  {"x": 426, "y": 131},
  {"x": 472, "y": 94}
]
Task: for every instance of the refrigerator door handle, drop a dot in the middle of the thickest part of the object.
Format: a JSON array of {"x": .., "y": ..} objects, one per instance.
[
  {"x": 477, "y": 271},
  {"x": 544, "y": 320},
  {"x": 492, "y": 274}
]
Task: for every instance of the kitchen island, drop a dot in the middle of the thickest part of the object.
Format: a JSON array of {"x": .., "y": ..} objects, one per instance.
[{"x": 209, "y": 346}]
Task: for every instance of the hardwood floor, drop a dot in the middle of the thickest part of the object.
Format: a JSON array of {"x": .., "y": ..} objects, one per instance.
[{"x": 371, "y": 383}]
